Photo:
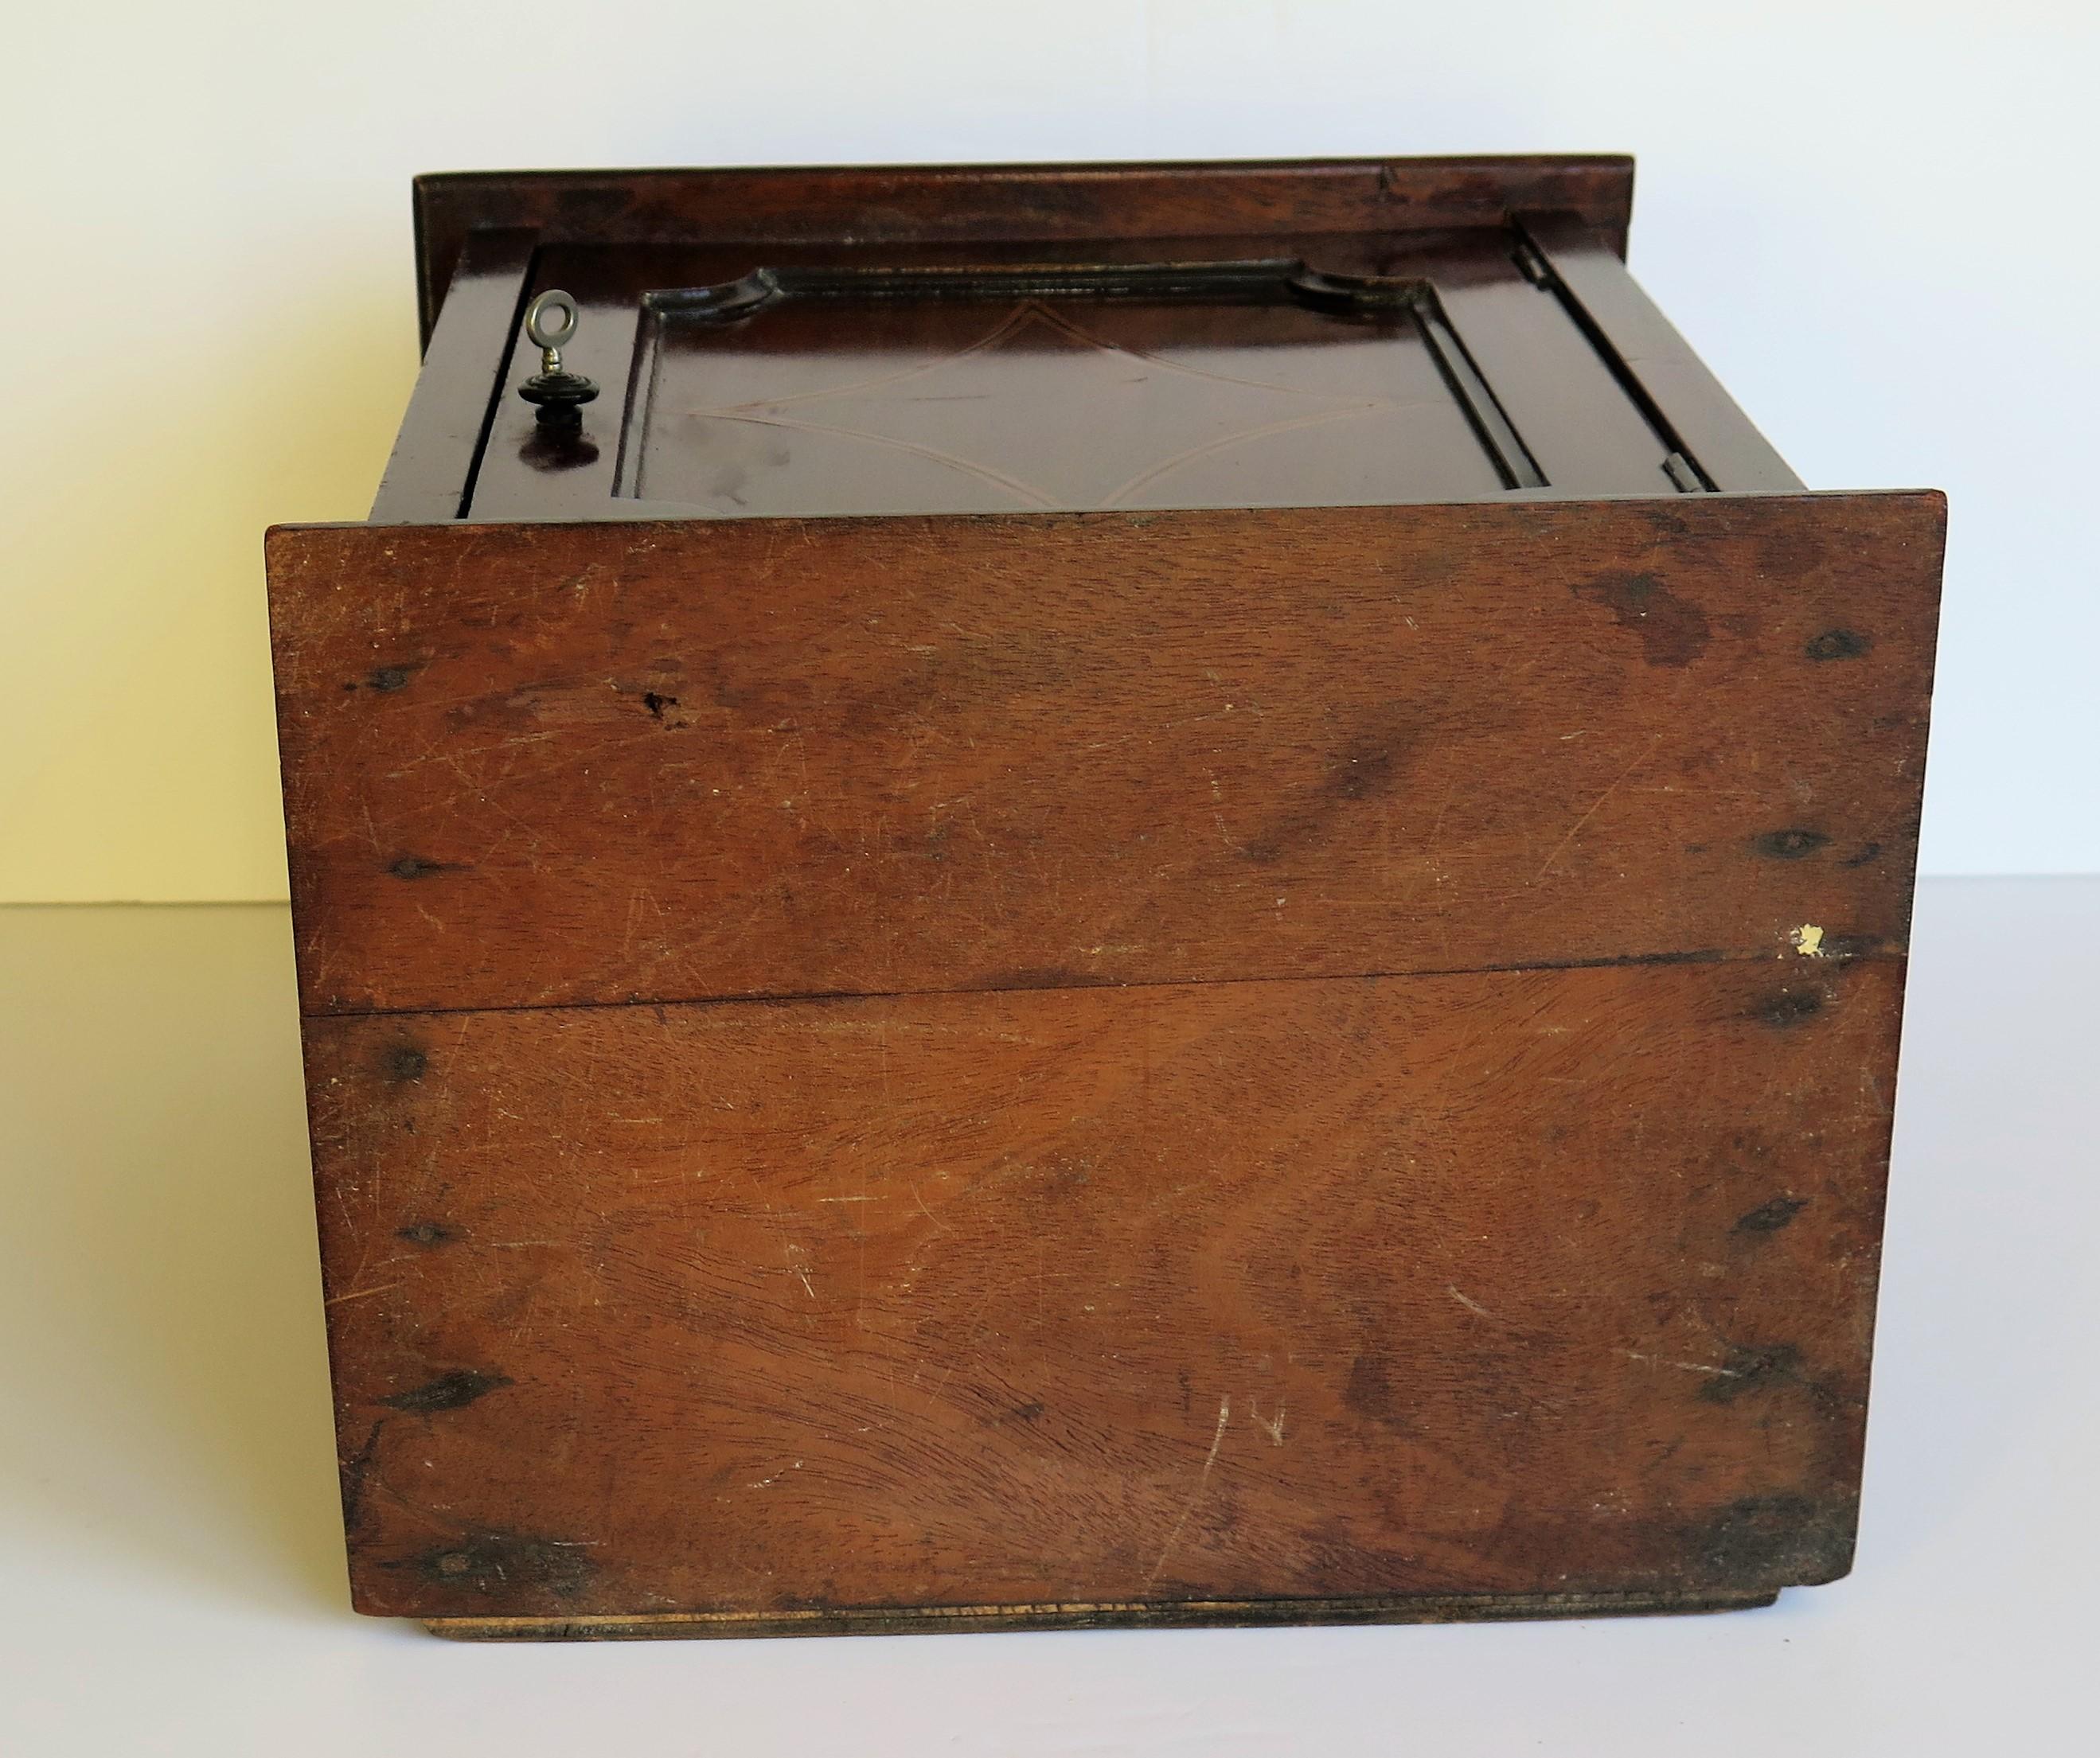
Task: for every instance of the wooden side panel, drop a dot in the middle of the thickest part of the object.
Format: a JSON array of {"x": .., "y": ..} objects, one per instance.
[
  {"x": 548, "y": 765},
  {"x": 432, "y": 468},
  {"x": 1552, "y": 1282},
  {"x": 1587, "y": 434},
  {"x": 987, "y": 203},
  {"x": 1687, "y": 399}
]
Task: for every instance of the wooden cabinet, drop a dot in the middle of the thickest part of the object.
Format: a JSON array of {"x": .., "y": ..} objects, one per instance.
[{"x": 1136, "y": 895}]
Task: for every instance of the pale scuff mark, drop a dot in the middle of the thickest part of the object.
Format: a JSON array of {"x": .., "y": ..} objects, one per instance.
[
  {"x": 1688, "y": 1367},
  {"x": 1473, "y": 1306},
  {"x": 1195, "y": 1495},
  {"x": 1273, "y": 1428},
  {"x": 362, "y": 1293},
  {"x": 929, "y": 1215},
  {"x": 1560, "y": 847},
  {"x": 1808, "y": 940}
]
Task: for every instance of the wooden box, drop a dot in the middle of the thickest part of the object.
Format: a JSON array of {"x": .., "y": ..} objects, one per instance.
[{"x": 1147, "y": 894}]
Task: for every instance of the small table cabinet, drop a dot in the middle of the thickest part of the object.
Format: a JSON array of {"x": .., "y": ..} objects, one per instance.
[{"x": 1131, "y": 895}]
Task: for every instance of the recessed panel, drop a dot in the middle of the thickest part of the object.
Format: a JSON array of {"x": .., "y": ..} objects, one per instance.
[
  {"x": 774, "y": 380},
  {"x": 992, "y": 403}
]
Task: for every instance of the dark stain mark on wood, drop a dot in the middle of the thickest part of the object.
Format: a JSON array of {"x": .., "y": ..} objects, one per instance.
[
  {"x": 1370, "y": 1394},
  {"x": 1793, "y": 549},
  {"x": 448, "y": 1391},
  {"x": 1778, "y": 1538},
  {"x": 404, "y": 1062},
  {"x": 385, "y": 678},
  {"x": 1770, "y": 1217},
  {"x": 1673, "y": 631},
  {"x": 488, "y": 1562},
  {"x": 1366, "y": 768},
  {"x": 353, "y": 1472},
  {"x": 1868, "y": 852},
  {"x": 1790, "y": 845},
  {"x": 656, "y": 702},
  {"x": 1788, "y": 1006},
  {"x": 1838, "y": 644},
  {"x": 1752, "y": 1370},
  {"x": 1363, "y": 770},
  {"x": 427, "y": 1234},
  {"x": 416, "y": 866}
]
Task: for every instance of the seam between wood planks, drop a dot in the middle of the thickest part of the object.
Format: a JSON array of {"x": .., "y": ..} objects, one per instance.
[{"x": 1893, "y": 950}]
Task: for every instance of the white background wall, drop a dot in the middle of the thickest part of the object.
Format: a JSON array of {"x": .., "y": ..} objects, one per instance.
[{"x": 1872, "y": 216}]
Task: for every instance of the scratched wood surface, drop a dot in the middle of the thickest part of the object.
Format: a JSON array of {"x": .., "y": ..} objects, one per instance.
[
  {"x": 533, "y": 764},
  {"x": 1524, "y": 1283}
]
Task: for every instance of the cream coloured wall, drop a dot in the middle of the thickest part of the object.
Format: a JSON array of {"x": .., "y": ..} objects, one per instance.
[{"x": 1869, "y": 217}]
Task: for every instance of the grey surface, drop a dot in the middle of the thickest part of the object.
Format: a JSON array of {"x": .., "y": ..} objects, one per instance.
[{"x": 170, "y": 1570}]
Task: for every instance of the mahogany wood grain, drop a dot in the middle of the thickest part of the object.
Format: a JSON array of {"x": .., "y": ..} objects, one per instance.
[
  {"x": 1078, "y": 1304},
  {"x": 980, "y": 204},
  {"x": 536, "y": 765},
  {"x": 1692, "y": 403}
]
